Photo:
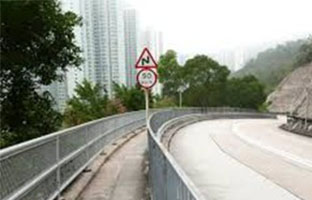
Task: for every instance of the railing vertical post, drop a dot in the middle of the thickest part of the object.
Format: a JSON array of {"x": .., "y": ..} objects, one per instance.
[
  {"x": 58, "y": 169},
  {"x": 86, "y": 141},
  {"x": 307, "y": 109},
  {"x": 146, "y": 105},
  {"x": 165, "y": 177}
]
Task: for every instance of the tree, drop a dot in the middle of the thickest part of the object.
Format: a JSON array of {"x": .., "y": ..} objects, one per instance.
[
  {"x": 89, "y": 103},
  {"x": 246, "y": 92},
  {"x": 305, "y": 53},
  {"x": 132, "y": 98},
  {"x": 170, "y": 74},
  {"x": 206, "y": 80},
  {"x": 37, "y": 40}
]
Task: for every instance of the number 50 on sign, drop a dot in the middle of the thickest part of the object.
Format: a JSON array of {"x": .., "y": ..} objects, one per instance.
[{"x": 146, "y": 78}]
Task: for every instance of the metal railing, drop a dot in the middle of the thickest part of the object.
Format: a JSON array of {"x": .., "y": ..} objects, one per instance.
[
  {"x": 167, "y": 180},
  {"x": 41, "y": 168}
]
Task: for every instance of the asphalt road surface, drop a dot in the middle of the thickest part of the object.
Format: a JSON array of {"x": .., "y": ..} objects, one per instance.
[{"x": 245, "y": 159}]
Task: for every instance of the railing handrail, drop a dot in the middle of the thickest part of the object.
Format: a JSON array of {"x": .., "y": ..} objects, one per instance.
[
  {"x": 56, "y": 159},
  {"x": 21, "y": 145},
  {"x": 187, "y": 181},
  {"x": 155, "y": 134}
]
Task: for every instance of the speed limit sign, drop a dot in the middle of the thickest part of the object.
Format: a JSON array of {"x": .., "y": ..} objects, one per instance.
[{"x": 147, "y": 78}]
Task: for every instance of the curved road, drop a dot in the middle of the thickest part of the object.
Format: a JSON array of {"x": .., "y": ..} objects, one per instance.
[{"x": 245, "y": 159}]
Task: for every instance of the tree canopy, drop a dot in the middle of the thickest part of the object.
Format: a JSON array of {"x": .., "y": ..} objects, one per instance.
[
  {"x": 207, "y": 83},
  {"x": 170, "y": 73},
  {"x": 206, "y": 80},
  {"x": 305, "y": 53},
  {"x": 37, "y": 41},
  {"x": 89, "y": 103},
  {"x": 132, "y": 98},
  {"x": 245, "y": 92}
]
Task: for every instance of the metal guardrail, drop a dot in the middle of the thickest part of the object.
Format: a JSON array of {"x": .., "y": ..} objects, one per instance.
[
  {"x": 167, "y": 180},
  {"x": 41, "y": 168}
]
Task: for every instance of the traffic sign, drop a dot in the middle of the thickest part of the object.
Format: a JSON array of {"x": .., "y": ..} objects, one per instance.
[
  {"x": 146, "y": 78},
  {"x": 146, "y": 60}
]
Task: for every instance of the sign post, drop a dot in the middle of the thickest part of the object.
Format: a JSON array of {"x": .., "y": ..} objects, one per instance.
[
  {"x": 146, "y": 77},
  {"x": 146, "y": 105}
]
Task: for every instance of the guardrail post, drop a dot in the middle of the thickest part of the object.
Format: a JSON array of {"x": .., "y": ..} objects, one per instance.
[
  {"x": 165, "y": 177},
  {"x": 58, "y": 169},
  {"x": 86, "y": 134}
]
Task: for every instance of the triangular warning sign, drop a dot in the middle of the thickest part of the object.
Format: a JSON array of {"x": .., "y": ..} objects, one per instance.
[{"x": 146, "y": 60}]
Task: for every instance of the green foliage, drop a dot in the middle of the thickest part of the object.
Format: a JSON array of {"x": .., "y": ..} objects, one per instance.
[
  {"x": 208, "y": 84},
  {"x": 206, "y": 80},
  {"x": 246, "y": 92},
  {"x": 166, "y": 102},
  {"x": 305, "y": 53},
  {"x": 132, "y": 98},
  {"x": 91, "y": 102},
  {"x": 39, "y": 119},
  {"x": 170, "y": 73},
  {"x": 37, "y": 40},
  {"x": 88, "y": 104},
  {"x": 272, "y": 65}
]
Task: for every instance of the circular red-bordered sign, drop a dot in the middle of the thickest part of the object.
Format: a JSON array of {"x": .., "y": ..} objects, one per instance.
[{"x": 146, "y": 78}]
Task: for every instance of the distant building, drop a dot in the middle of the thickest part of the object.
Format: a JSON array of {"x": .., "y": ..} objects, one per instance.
[
  {"x": 153, "y": 40},
  {"x": 103, "y": 42},
  {"x": 58, "y": 91},
  {"x": 101, "y": 39},
  {"x": 131, "y": 44},
  {"x": 74, "y": 75}
]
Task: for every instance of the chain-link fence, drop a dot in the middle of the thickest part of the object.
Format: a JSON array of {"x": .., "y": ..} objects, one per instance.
[
  {"x": 167, "y": 180},
  {"x": 41, "y": 168}
]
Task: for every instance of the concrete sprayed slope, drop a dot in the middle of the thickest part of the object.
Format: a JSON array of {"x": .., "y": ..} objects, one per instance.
[{"x": 290, "y": 95}]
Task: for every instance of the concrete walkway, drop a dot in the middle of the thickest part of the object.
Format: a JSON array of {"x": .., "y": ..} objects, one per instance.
[{"x": 121, "y": 177}]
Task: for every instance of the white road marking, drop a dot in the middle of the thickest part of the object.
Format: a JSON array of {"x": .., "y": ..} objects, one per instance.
[{"x": 286, "y": 155}]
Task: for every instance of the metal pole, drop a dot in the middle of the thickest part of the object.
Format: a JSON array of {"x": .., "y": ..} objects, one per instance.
[
  {"x": 307, "y": 108},
  {"x": 58, "y": 170},
  {"x": 180, "y": 98},
  {"x": 146, "y": 105}
]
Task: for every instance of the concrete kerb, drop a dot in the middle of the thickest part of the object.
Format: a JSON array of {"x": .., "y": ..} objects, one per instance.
[{"x": 78, "y": 186}]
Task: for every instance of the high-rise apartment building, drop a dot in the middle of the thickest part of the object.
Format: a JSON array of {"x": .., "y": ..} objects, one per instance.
[
  {"x": 103, "y": 42},
  {"x": 74, "y": 75},
  {"x": 101, "y": 38},
  {"x": 131, "y": 44},
  {"x": 110, "y": 44},
  {"x": 153, "y": 40},
  {"x": 58, "y": 90}
]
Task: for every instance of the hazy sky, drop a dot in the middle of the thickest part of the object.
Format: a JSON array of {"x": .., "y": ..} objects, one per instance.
[{"x": 203, "y": 26}]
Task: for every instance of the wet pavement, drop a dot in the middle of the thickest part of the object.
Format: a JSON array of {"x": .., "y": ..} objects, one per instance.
[{"x": 245, "y": 159}]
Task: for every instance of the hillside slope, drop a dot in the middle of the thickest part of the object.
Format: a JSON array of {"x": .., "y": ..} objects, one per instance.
[
  {"x": 291, "y": 94},
  {"x": 272, "y": 65}
]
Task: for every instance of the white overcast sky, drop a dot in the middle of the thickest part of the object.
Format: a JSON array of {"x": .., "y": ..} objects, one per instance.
[{"x": 201, "y": 26}]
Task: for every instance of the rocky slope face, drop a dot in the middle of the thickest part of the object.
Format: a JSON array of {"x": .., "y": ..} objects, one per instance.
[{"x": 294, "y": 93}]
